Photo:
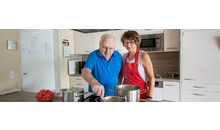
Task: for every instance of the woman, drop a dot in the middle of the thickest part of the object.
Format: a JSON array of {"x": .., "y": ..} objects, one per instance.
[{"x": 137, "y": 66}]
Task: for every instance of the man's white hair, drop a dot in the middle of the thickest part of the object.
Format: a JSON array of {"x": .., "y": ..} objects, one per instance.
[{"x": 106, "y": 36}]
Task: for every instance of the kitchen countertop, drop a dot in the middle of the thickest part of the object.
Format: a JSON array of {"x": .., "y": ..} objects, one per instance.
[
  {"x": 30, "y": 97},
  {"x": 166, "y": 78},
  {"x": 171, "y": 79}
]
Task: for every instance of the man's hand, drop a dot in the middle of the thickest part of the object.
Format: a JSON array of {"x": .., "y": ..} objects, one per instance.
[
  {"x": 99, "y": 90},
  {"x": 96, "y": 86}
]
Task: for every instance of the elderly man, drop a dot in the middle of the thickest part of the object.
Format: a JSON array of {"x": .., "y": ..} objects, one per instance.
[{"x": 103, "y": 67}]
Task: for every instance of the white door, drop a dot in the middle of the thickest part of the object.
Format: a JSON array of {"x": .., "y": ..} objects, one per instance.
[
  {"x": 37, "y": 59},
  {"x": 201, "y": 57}
]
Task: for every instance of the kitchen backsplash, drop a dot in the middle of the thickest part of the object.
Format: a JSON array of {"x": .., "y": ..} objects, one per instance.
[{"x": 163, "y": 62}]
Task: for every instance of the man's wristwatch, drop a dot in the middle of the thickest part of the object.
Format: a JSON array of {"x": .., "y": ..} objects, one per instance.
[{"x": 149, "y": 97}]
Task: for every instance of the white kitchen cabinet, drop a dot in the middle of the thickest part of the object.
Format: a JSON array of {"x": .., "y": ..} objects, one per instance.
[
  {"x": 190, "y": 30},
  {"x": 83, "y": 43},
  {"x": 199, "y": 65},
  {"x": 200, "y": 57},
  {"x": 118, "y": 44},
  {"x": 96, "y": 39},
  {"x": 79, "y": 82},
  {"x": 199, "y": 96},
  {"x": 171, "y": 40},
  {"x": 149, "y": 31},
  {"x": 201, "y": 87},
  {"x": 171, "y": 91},
  {"x": 158, "y": 94}
]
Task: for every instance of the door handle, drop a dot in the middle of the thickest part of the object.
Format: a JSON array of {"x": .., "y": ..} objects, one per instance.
[
  {"x": 169, "y": 85},
  {"x": 188, "y": 79},
  {"x": 198, "y": 87},
  {"x": 172, "y": 48}
]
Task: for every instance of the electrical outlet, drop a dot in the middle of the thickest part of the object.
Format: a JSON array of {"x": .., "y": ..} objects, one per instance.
[{"x": 12, "y": 74}]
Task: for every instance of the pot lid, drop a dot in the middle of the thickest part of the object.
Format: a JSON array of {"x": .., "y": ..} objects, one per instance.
[{"x": 74, "y": 90}]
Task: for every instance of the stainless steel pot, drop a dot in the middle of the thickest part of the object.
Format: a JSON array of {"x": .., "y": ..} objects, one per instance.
[
  {"x": 74, "y": 95},
  {"x": 111, "y": 99},
  {"x": 62, "y": 92},
  {"x": 131, "y": 93}
]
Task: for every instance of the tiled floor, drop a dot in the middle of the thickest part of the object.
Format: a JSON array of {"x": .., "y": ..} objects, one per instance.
[{"x": 18, "y": 97}]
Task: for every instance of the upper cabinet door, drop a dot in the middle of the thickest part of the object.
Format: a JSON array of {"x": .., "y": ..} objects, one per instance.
[
  {"x": 83, "y": 43},
  {"x": 149, "y": 31},
  {"x": 118, "y": 44},
  {"x": 200, "y": 56},
  {"x": 96, "y": 37},
  {"x": 171, "y": 40}
]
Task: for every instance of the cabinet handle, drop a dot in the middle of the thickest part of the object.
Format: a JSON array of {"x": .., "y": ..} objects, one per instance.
[
  {"x": 188, "y": 79},
  {"x": 78, "y": 84},
  {"x": 198, "y": 87},
  {"x": 87, "y": 51},
  {"x": 169, "y": 85},
  {"x": 78, "y": 79},
  {"x": 172, "y": 48},
  {"x": 198, "y": 94},
  {"x": 24, "y": 73}
]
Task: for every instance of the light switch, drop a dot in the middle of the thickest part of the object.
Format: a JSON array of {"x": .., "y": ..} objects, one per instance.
[{"x": 12, "y": 74}]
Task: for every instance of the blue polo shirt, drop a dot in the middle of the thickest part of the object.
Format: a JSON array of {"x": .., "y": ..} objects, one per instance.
[{"x": 105, "y": 72}]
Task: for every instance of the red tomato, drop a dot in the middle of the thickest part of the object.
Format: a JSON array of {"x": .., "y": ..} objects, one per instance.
[{"x": 45, "y": 96}]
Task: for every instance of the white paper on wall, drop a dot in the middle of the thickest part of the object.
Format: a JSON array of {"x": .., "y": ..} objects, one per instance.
[
  {"x": 49, "y": 61},
  {"x": 35, "y": 39},
  {"x": 34, "y": 52},
  {"x": 24, "y": 50},
  {"x": 48, "y": 48}
]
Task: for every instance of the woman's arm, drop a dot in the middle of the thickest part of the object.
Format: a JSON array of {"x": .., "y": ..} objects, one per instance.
[{"x": 148, "y": 67}]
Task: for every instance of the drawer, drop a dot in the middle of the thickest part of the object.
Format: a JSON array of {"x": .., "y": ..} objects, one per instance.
[
  {"x": 201, "y": 87},
  {"x": 77, "y": 79},
  {"x": 171, "y": 91},
  {"x": 199, "y": 96},
  {"x": 80, "y": 85},
  {"x": 173, "y": 84},
  {"x": 158, "y": 94}
]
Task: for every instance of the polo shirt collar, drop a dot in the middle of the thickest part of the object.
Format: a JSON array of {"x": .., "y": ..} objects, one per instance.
[{"x": 99, "y": 54}]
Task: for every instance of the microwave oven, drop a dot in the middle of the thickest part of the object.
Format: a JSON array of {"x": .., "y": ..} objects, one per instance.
[
  {"x": 75, "y": 67},
  {"x": 152, "y": 42}
]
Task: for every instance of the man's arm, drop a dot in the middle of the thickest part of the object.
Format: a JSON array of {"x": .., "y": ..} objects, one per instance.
[{"x": 96, "y": 86}]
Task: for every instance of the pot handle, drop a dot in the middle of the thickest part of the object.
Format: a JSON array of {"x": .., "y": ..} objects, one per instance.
[
  {"x": 97, "y": 98},
  {"x": 111, "y": 88},
  {"x": 81, "y": 94},
  {"x": 143, "y": 90}
]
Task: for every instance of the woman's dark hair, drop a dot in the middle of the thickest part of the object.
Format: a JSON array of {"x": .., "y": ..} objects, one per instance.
[{"x": 131, "y": 35}]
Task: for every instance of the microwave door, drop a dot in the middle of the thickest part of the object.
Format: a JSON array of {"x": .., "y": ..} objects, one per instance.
[{"x": 148, "y": 43}]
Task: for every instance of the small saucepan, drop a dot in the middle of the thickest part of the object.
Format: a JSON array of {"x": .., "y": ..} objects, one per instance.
[{"x": 111, "y": 99}]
